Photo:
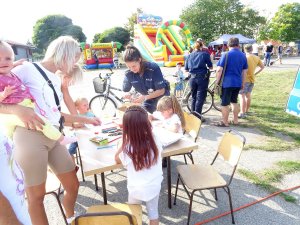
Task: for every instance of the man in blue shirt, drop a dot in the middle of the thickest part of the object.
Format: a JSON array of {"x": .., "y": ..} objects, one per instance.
[{"x": 234, "y": 79}]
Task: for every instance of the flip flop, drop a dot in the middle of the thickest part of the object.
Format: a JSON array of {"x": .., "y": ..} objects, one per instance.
[
  {"x": 221, "y": 124},
  {"x": 231, "y": 122}
]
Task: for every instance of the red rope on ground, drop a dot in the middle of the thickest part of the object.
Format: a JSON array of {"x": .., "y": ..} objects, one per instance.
[{"x": 247, "y": 205}]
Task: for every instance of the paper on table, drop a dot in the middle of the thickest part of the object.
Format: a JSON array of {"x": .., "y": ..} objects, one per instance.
[{"x": 167, "y": 137}]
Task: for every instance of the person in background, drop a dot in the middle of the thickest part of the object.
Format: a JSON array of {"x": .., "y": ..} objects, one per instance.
[
  {"x": 83, "y": 109},
  {"x": 145, "y": 77},
  {"x": 13, "y": 208},
  {"x": 198, "y": 64},
  {"x": 245, "y": 94},
  {"x": 140, "y": 153},
  {"x": 255, "y": 49},
  {"x": 268, "y": 53},
  {"x": 33, "y": 151},
  {"x": 12, "y": 91},
  {"x": 234, "y": 80},
  {"x": 170, "y": 114},
  {"x": 179, "y": 80}
]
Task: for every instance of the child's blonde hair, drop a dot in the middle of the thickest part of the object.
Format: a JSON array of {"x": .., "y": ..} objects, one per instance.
[
  {"x": 80, "y": 100},
  {"x": 170, "y": 102},
  {"x": 76, "y": 74}
]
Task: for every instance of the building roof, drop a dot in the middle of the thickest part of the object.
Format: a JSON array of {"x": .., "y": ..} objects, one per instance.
[{"x": 14, "y": 43}]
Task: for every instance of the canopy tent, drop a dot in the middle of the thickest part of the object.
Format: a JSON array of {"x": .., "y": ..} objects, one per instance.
[{"x": 225, "y": 37}]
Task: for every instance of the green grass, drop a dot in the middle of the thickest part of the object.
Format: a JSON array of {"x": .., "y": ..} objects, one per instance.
[
  {"x": 268, "y": 178},
  {"x": 269, "y": 99}
]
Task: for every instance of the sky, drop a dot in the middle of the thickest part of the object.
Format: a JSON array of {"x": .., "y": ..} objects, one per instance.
[{"x": 17, "y": 18}]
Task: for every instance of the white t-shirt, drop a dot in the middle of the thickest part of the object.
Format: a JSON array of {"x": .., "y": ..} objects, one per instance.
[
  {"x": 40, "y": 90},
  {"x": 11, "y": 181},
  {"x": 255, "y": 48},
  {"x": 144, "y": 184},
  {"x": 173, "y": 120}
]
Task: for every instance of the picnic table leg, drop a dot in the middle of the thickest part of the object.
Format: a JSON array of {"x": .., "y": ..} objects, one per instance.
[
  {"x": 104, "y": 188},
  {"x": 169, "y": 182}
]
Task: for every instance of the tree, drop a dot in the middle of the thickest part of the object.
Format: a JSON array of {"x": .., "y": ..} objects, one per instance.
[
  {"x": 116, "y": 34},
  {"x": 50, "y": 27},
  {"x": 96, "y": 37},
  {"x": 285, "y": 25},
  {"x": 129, "y": 26},
  {"x": 209, "y": 19}
]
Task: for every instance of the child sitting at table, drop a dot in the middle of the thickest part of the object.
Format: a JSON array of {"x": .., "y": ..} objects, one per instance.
[
  {"x": 140, "y": 153},
  {"x": 170, "y": 114},
  {"x": 83, "y": 109}
]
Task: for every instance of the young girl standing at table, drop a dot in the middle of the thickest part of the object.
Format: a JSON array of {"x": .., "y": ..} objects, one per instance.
[
  {"x": 170, "y": 114},
  {"x": 140, "y": 153}
]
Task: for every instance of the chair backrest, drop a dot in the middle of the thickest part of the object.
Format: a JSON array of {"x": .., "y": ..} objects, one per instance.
[
  {"x": 231, "y": 146},
  {"x": 192, "y": 125},
  {"x": 113, "y": 214}
]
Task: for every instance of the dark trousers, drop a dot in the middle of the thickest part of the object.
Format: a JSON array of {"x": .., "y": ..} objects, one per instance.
[{"x": 199, "y": 85}]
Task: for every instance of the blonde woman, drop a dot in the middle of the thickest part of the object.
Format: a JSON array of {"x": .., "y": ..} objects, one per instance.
[{"x": 33, "y": 151}]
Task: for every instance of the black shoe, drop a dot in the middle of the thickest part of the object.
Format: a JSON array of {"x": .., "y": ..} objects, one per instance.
[{"x": 164, "y": 163}]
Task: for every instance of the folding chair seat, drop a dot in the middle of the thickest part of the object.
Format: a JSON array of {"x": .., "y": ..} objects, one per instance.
[
  {"x": 113, "y": 214},
  {"x": 201, "y": 177},
  {"x": 53, "y": 187}
]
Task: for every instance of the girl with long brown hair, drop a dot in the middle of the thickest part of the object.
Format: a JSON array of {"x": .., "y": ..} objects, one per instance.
[{"x": 140, "y": 153}]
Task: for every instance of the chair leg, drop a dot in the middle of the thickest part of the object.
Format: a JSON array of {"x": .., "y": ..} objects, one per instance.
[
  {"x": 184, "y": 159},
  {"x": 216, "y": 196},
  {"x": 190, "y": 208},
  {"x": 80, "y": 162},
  {"x": 60, "y": 206},
  {"x": 76, "y": 156},
  {"x": 230, "y": 203},
  {"x": 176, "y": 190},
  {"x": 191, "y": 157}
]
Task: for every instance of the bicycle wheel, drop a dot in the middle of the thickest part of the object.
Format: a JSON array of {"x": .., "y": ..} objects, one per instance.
[
  {"x": 208, "y": 103},
  {"x": 217, "y": 102},
  {"x": 103, "y": 106}
]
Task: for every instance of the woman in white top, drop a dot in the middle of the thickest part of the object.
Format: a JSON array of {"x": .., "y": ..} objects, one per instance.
[
  {"x": 140, "y": 153},
  {"x": 33, "y": 151}
]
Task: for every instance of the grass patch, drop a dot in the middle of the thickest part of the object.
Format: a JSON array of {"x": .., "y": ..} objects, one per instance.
[
  {"x": 268, "y": 178},
  {"x": 269, "y": 100}
]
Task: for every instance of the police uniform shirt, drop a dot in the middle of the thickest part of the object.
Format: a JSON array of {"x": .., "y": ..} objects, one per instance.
[
  {"x": 197, "y": 62},
  {"x": 150, "y": 81}
]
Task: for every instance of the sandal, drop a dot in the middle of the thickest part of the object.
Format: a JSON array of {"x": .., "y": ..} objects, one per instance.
[
  {"x": 231, "y": 122},
  {"x": 221, "y": 124}
]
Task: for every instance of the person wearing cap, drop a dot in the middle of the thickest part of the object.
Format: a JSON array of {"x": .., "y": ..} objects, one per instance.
[{"x": 198, "y": 64}]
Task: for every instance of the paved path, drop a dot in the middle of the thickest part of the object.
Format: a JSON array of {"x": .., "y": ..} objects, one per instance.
[{"x": 274, "y": 211}]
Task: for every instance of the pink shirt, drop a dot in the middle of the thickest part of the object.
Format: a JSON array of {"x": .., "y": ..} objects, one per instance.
[{"x": 21, "y": 93}]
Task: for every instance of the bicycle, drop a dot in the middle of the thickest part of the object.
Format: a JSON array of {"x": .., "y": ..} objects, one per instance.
[
  {"x": 103, "y": 104},
  {"x": 211, "y": 100}
]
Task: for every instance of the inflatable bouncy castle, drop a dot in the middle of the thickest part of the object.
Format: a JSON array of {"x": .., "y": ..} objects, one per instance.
[
  {"x": 161, "y": 42},
  {"x": 99, "y": 55}
]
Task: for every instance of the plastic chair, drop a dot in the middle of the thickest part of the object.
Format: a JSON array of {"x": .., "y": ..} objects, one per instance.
[
  {"x": 53, "y": 187},
  {"x": 114, "y": 214},
  {"x": 192, "y": 128},
  {"x": 202, "y": 177}
]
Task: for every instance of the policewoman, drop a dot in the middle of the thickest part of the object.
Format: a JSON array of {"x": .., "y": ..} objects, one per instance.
[
  {"x": 145, "y": 77},
  {"x": 198, "y": 64}
]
